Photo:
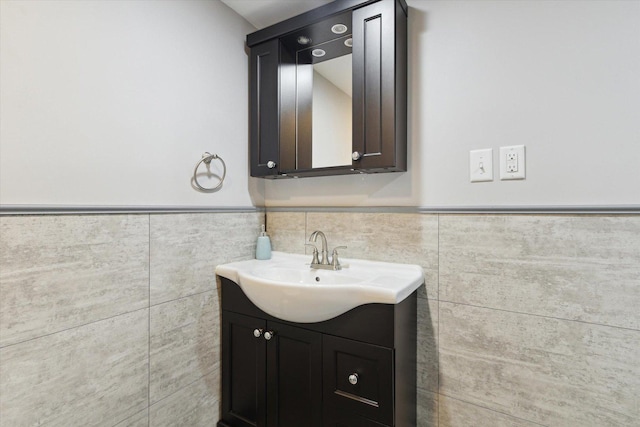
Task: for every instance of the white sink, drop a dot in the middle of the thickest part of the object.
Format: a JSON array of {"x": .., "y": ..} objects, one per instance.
[{"x": 285, "y": 287}]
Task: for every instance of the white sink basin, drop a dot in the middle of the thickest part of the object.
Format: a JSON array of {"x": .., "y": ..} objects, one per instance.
[{"x": 285, "y": 287}]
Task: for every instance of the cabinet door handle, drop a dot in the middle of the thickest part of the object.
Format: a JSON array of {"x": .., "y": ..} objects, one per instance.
[
  {"x": 271, "y": 164},
  {"x": 268, "y": 335},
  {"x": 353, "y": 379},
  {"x": 356, "y": 155},
  {"x": 257, "y": 333}
]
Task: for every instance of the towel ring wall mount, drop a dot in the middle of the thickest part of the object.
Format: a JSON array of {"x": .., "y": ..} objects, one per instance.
[{"x": 206, "y": 159}]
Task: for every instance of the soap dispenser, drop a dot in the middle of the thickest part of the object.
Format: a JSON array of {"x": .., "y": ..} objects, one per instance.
[{"x": 263, "y": 247}]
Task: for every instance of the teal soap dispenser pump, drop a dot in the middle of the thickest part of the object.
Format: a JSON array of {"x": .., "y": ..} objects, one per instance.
[{"x": 263, "y": 247}]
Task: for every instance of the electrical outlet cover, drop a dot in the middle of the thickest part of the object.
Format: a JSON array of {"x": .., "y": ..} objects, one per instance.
[{"x": 512, "y": 162}]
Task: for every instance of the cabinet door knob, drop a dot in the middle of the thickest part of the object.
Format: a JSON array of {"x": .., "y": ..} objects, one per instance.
[
  {"x": 356, "y": 155},
  {"x": 268, "y": 335},
  {"x": 257, "y": 333},
  {"x": 271, "y": 164},
  {"x": 353, "y": 379}
]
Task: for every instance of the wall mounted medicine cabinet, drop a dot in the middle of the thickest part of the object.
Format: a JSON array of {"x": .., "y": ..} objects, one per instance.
[{"x": 328, "y": 91}]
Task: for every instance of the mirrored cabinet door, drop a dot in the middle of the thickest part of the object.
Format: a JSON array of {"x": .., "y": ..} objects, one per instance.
[{"x": 334, "y": 101}]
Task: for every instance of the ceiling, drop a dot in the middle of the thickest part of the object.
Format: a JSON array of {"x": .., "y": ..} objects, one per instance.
[{"x": 262, "y": 13}]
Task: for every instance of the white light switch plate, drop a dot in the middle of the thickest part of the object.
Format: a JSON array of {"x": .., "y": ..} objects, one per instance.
[
  {"x": 512, "y": 162},
  {"x": 481, "y": 165}
]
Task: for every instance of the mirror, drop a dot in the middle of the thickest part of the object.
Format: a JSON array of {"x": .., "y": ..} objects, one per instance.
[
  {"x": 324, "y": 101},
  {"x": 322, "y": 56},
  {"x": 331, "y": 118}
]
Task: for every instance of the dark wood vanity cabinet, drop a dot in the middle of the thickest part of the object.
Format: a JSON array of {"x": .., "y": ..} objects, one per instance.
[
  {"x": 356, "y": 370},
  {"x": 281, "y": 143}
]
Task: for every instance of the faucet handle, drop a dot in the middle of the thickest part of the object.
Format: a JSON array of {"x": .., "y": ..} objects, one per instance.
[
  {"x": 334, "y": 257},
  {"x": 315, "y": 259}
]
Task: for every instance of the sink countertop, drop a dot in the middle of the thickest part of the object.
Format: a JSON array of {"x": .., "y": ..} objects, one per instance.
[{"x": 287, "y": 288}]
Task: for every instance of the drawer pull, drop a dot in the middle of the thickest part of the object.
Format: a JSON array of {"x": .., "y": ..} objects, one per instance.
[
  {"x": 257, "y": 333},
  {"x": 268, "y": 335},
  {"x": 358, "y": 398},
  {"x": 353, "y": 379}
]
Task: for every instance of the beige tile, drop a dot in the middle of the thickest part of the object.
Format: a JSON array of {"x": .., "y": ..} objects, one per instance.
[
  {"x": 455, "y": 413},
  {"x": 427, "y": 357},
  {"x": 59, "y": 272},
  {"x": 95, "y": 374},
  {"x": 196, "y": 405},
  {"x": 427, "y": 409},
  {"x": 141, "y": 419},
  {"x": 287, "y": 231},
  {"x": 393, "y": 237},
  {"x": 545, "y": 370},
  {"x": 184, "y": 344},
  {"x": 185, "y": 249},
  {"x": 574, "y": 267}
]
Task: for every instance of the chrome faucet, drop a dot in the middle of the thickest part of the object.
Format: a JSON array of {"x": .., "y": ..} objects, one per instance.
[
  {"x": 324, "y": 262},
  {"x": 324, "y": 259}
]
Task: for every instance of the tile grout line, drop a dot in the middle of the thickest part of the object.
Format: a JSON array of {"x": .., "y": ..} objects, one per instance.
[
  {"x": 183, "y": 297},
  {"x": 438, "y": 337},
  {"x": 125, "y": 419},
  {"x": 124, "y": 313},
  {"x": 73, "y": 327},
  {"x": 149, "y": 331},
  {"x": 536, "y": 315},
  {"x": 492, "y": 410},
  {"x": 188, "y": 385}
]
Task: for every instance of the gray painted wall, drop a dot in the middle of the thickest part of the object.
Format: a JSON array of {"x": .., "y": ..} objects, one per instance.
[
  {"x": 559, "y": 77},
  {"x": 113, "y": 103}
]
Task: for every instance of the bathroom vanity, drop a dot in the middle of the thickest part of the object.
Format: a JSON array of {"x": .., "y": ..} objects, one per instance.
[
  {"x": 355, "y": 369},
  {"x": 358, "y": 369}
]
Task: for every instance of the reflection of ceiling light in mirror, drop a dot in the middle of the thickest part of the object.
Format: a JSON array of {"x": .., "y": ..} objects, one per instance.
[
  {"x": 348, "y": 42},
  {"x": 304, "y": 40},
  {"x": 339, "y": 29},
  {"x": 318, "y": 53}
]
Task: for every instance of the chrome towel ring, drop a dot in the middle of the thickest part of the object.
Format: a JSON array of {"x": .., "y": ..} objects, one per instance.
[{"x": 206, "y": 159}]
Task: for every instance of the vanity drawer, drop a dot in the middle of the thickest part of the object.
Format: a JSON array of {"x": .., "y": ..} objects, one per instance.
[{"x": 358, "y": 378}]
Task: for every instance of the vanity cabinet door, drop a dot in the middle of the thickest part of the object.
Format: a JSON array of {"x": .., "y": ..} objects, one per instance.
[
  {"x": 271, "y": 374},
  {"x": 294, "y": 377},
  {"x": 244, "y": 371},
  {"x": 264, "y": 117},
  {"x": 379, "y": 87}
]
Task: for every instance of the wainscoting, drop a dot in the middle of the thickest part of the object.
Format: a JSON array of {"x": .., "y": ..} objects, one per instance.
[
  {"x": 114, "y": 319},
  {"x": 525, "y": 319}
]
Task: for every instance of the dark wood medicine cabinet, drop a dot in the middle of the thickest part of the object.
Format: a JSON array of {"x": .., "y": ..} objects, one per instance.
[{"x": 328, "y": 91}]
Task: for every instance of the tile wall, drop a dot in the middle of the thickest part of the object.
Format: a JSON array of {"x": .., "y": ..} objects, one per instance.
[
  {"x": 113, "y": 320},
  {"x": 525, "y": 320}
]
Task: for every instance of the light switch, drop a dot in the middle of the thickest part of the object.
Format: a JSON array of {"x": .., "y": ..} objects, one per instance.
[
  {"x": 481, "y": 165},
  {"x": 512, "y": 162}
]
